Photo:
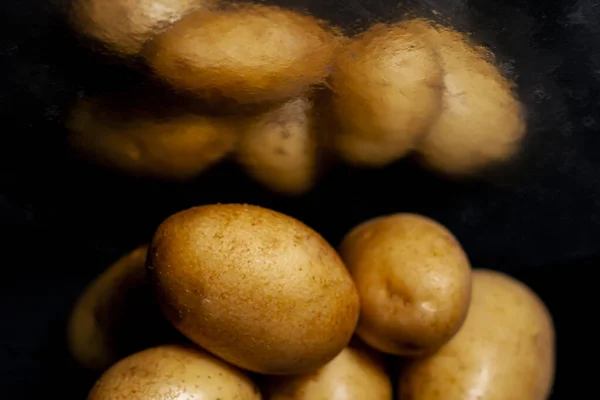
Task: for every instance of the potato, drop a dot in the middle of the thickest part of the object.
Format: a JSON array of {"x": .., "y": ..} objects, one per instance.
[
  {"x": 173, "y": 372},
  {"x": 116, "y": 315},
  {"x": 255, "y": 287},
  {"x": 357, "y": 373},
  {"x": 171, "y": 147},
  {"x": 386, "y": 92},
  {"x": 482, "y": 123},
  {"x": 247, "y": 53},
  {"x": 413, "y": 279},
  {"x": 123, "y": 26},
  {"x": 504, "y": 351},
  {"x": 279, "y": 148}
]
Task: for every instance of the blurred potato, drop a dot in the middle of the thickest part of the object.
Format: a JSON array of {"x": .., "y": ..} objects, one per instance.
[{"x": 246, "y": 53}]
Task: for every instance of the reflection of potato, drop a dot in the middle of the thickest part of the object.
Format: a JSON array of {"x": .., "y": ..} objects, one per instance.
[
  {"x": 279, "y": 148},
  {"x": 116, "y": 315},
  {"x": 357, "y": 373},
  {"x": 386, "y": 87},
  {"x": 249, "y": 53},
  {"x": 173, "y": 372},
  {"x": 178, "y": 146},
  {"x": 413, "y": 280},
  {"x": 255, "y": 287},
  {"x": 504, "y": 351},
  {"x": 124, "y": 25},
  {"x": 482, "y": 122}
]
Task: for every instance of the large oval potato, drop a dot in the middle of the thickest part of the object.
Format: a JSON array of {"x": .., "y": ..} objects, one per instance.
[
  {"x": 257, "y": 288},
  {"x": 504, "y": 351},
  {"x": 482, "y": 123},
  {"x": 173, "y": 372},
  {"x": 125, "y": 25},
  {"x": 280, "y": 148},
  {"x": 171, "y": 147},
  {"x": 386, "y": 92},
  {"x": 247, "y": 53},
  {"x": 357, "y": 373},
  {"x": 116, "y": 315},
  {"x": 413, "y": 280}
]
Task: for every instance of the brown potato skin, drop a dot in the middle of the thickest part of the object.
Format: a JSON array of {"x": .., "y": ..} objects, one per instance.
[
  {"x": 178, "y": 146},
  {"x": 504, "y": 351},
  {"x": 115, "y": 316},
  {"x": 386, "y": 92},
  {"x": 255, "y": 287},
  {"x": 483, "y": 123},
  {"x": 123, "y": 26},
  {"x": 280, "y": 148},
  {"x": 173, "y": 372},
  {"x": 357, "y": 373},
  {"x": 247, "y": 53},
  {"x": 413, "y": 279}
]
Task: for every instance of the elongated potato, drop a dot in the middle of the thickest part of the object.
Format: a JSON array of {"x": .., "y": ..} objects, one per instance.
[
  {"x": 504, "y": 351},
  {"x": 413, "y": 280},
  {"x": 173, "y": 372},
  {"x": 357, "y": 373},
  {"x": 386, "y": 86},
  {"x": 170, "y": 147},
  {"x": 116, "y": 315},
  {"x": 482, "y": 123},
  {"x": 279, "y": 148},
  {"x": 247, "y": 53},
  {"x": 125, "y": 25}
]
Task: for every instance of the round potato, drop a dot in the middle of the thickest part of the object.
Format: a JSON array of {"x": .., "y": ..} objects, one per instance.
[
  {"x": 249, "y": 53},
  {"x": 414, "y": 283},
  {"x": 504, "y": 351},
  {"x": 279, "y": 148},
  {"x": 116, "y": 315},
  {"x": 171, "y": 147},
  {"x": 482, "y": 123},
  {"x": 357, "y": 373},
  {"x": 257, "y": 288},
  {"x": 123, "y": 26},
  {"x": 386, "y": 92},
  {"x": 173, "y": 372}
]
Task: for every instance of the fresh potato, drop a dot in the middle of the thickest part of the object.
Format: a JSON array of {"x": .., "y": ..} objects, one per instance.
[
  {"x": 116, "y": 315},
  {"x": 173, "y": 372},
  {"x": 386, "y": 92},
  {"x": 357, "y": 373},
  {"x": 279, "y": 148},
  {"x": 482, "y": 123},
  {"x": 413, "y": 279},
  {"x": 504, "y": 351},
  {"x": 257, "y": 288},
  {"x": 125, "y": 25},
  {"x": 247, "y": 53},
  {"x": 138, "y": 143}
]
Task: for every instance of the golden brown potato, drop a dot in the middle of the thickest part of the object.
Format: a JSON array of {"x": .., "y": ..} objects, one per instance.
[
  {"x": 413, "y": 280},
  {"x": 504, "y": 351},
  {"x": 250, "y": 53},
  {"x": 482, "y": 123},
  {"x": 173, "y": 372},
  {"x": 116, "y": 315},
  {"x": 125, "y": 25},
  {"x": 357, "y": 373},
  {"x": 279, "y": 148},
  {"x": 257, "y": 288},
  {"x": 386, "y": 92},
  {"x": 141, "y": 144}
]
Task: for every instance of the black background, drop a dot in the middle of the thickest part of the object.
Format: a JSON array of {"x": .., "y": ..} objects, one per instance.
[{"x": 62, "y": 221}]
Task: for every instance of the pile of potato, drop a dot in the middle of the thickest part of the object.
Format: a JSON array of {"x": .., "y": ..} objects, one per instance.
[
  {"x": 233, "y": 301},
  {"x": 285, "y": 94}
]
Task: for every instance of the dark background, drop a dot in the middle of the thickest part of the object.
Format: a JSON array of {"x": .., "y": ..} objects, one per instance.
[{"x": 62, "y": 221}]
